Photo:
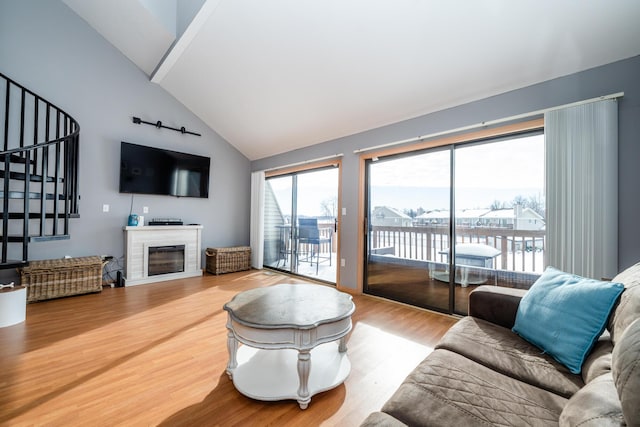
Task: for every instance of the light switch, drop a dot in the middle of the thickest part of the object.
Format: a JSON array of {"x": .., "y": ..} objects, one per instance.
[
  {"x": 145, "y": 209},
  {"x": 105, "y": 208},
  {"x": 344, "y": 211}
]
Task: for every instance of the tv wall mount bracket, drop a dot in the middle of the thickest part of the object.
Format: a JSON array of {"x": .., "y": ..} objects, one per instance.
[{"x": 159, "y": 125}]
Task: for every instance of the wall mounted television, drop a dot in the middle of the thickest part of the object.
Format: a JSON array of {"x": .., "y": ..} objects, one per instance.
[{"x": 150, "y": 170}]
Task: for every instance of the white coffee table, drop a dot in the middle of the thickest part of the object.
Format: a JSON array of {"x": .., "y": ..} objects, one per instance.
[{"x": 294, "y": 338}]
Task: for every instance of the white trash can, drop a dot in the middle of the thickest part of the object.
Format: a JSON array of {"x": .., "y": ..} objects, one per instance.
[{"x": 13, "y": 305}]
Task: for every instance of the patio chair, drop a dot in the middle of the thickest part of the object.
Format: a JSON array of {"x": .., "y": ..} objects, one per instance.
[{"x": 310, "y": 238}]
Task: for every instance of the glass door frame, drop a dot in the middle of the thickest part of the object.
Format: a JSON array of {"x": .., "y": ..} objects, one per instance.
[
  {"x": 450, "y": 149},
  {"x": 293, "y": 171},
  {"x": 452, "y": 141}
]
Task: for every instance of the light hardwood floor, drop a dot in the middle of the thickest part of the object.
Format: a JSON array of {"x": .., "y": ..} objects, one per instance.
[{"x": 156, "y": 355}]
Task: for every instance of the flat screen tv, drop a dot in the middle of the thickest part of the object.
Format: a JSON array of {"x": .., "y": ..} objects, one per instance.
[{"x": 150, "y": 170}]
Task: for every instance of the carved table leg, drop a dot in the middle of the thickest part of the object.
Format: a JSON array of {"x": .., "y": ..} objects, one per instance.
[
  {"x": 342, "y": 346},
  {"x": 232, "y": 347},
  {"x": 304, "y": 367}
]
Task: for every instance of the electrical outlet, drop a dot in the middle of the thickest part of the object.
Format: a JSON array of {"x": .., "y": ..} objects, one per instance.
[
  {"x": 105, "y": 208},
  {"x": 145, "y": 209}
]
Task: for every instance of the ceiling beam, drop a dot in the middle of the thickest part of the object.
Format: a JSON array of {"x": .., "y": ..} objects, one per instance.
[{"x": 175, "y": 52}]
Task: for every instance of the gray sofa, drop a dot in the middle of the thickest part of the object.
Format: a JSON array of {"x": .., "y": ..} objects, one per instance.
[{"x": 482, "y": 374}]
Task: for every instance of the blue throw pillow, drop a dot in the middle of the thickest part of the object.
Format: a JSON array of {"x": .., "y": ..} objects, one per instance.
[{"x": 565, "y": 314}]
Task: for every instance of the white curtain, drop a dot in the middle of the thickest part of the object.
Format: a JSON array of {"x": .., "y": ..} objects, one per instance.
[
  {"x": 581, "y": 181},
  {"x": 257, "y": 219}
]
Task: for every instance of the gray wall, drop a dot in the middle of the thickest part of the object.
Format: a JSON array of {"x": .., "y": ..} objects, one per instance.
[
  {"x": 46, "y": 47},
  {"x": 622, "y": 76}
]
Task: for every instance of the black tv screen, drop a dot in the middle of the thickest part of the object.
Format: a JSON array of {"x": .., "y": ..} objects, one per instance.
[{"x": 150, "y": 170}]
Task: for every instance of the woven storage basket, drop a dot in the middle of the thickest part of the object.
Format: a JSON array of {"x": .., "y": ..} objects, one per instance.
[
  {"x": 228, "y": 260},
  {"x": 55, "y": 278}
]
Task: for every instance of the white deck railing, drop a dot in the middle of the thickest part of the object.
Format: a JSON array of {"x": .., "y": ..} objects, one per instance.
[{"x": 520, "y": 250}]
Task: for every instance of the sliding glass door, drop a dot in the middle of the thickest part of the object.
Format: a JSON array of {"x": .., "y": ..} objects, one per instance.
[
  {"x": 301, "y": 223},
  {"x": 278, "y": 214},
  {"x": 499, "y": 214},
  {"x": 485, "y": 196},
  {"x": 408, "y": 202}
]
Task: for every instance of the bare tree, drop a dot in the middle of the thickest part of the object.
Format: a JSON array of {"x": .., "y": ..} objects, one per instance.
[
  {"x": 497, "y": 204},
  {"x": 329, "y": 207},
  {"x": 519, "y": 200},
  {"x": 536, "y": 204},
  {"x": 410, "y": 212}
]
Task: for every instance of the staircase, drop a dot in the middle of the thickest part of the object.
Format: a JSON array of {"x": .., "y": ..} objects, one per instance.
[{"x": 38, "y": 171}]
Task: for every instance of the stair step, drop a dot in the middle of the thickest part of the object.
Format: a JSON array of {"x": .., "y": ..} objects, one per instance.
[
  {"x": 36, "y": 215},
  {"x": 10, "y": 264},
  {"x": 33, "y": 196},
  {"x": 21, "y": 176},
  {"x": 15, "y": 158},
  {"x": 49, "y": 238},
  {"x": 13, "y": 239},
  {"x": 33, "y": 239}
]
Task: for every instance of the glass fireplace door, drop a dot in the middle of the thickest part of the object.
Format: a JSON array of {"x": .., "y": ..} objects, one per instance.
[{"x": 165, "y": 259}]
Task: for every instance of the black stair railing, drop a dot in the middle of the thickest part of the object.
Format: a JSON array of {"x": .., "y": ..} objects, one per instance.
[{"x": 39, "y": 171}]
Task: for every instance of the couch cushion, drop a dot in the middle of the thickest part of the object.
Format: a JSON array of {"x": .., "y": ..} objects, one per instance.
[
  {"x": 598, "y": 362},
  {"x": 629, "y": 307},
  {"x": 447, "y": 389},
  {"x": 626, "y": 372},
  {"x": 595, "y": 405},
  {"x": 564, "y": 314},
  {"x": 502, "y": 350}
]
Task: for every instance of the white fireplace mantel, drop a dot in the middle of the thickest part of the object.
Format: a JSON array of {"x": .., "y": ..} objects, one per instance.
[{"x": 139, "y": 239}]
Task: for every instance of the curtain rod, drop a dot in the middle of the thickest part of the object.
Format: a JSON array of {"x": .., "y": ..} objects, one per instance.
[
  {"x": 304, "y": 162},
  {"x": 491, "y": 122}
]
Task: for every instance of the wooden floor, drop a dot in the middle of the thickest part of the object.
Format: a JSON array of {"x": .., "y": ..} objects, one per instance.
[{"x": 156, "y": 355}]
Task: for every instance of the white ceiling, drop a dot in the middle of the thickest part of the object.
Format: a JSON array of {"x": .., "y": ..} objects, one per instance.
[{"x": 273, "y": 76}]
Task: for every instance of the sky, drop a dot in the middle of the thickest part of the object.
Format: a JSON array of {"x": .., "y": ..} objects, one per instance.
[
  {"x": 484, "y": 173},
  {"x": 314, "y": 188},
  {"x": 517, "y": 163}
]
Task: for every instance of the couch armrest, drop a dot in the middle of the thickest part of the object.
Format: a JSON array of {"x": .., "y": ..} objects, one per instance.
[{"x": 495, "y": 304}]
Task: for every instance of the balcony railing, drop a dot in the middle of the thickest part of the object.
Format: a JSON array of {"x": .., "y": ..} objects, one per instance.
[{"x": 520, "y": 250}]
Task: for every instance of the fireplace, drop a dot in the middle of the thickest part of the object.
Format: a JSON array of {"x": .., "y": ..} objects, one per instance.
[
  {"x": 166, "y": 259},
  {"x": 157, "y": 253}
]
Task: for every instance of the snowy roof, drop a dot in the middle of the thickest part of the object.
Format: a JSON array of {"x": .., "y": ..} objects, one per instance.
[
  {"x": 481, "y": 213},
  {"x": 500, "y": 214},
  {"x": 509, "y": 214},
  {"x": 434, "y": 215},
  {"x": 472, "y": 213},
  {"x": 391, "y": 210}
]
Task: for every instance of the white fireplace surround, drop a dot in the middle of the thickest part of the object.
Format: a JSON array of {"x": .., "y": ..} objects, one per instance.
[{"x": 139, "y": 239}]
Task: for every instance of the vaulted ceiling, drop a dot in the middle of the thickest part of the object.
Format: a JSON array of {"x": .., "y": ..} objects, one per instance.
[{"x": 273, "y": 76}]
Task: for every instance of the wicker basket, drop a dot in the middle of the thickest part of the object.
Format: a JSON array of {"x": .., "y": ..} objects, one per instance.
[
  {"x": 228, "y": 260},
  {"x": 55, "y": 278}
]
